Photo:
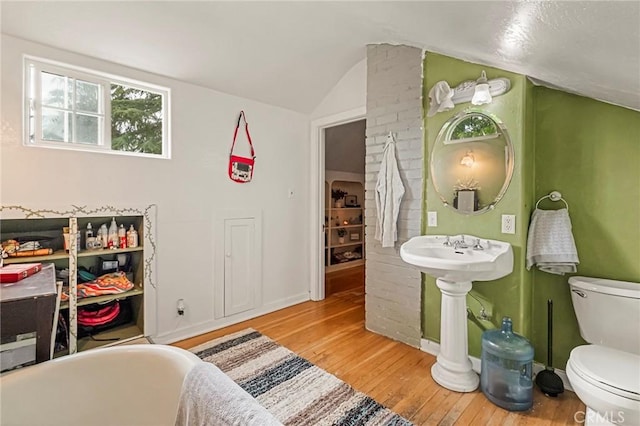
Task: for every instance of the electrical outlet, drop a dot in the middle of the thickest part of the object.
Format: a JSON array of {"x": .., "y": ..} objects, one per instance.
[
  {"x": 432, "y": 219},
  {"x": 291, "y": 193},
  {"x": 180, "y": 307},
  {"x": 508, "y": 223}
]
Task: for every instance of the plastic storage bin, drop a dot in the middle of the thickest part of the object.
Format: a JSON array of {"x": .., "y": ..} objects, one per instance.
[{"x": 507, "y": 359}]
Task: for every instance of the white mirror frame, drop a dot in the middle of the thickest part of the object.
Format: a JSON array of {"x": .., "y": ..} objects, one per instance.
[{"x": 446, "y": 131}]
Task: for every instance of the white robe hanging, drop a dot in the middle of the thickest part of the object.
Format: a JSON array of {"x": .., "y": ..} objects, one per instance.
[{"x": 388, "y": 194}]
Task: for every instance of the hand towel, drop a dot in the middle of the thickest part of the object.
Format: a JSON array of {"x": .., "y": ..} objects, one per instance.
[
  {"x": 550, "y": 244},
  {"x": 210, "y": 398}
]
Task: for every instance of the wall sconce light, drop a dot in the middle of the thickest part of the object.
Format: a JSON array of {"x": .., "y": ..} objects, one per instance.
[
  {"x": 481, "y": 94},
  {"x": 468, "y": 160},
  {"x": 443, "y": 98}
]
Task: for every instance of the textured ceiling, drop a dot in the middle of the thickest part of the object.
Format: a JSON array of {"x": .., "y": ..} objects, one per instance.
[{"x": 290, "y": 54}]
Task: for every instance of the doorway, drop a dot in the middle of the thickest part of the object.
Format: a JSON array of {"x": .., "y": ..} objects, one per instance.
[
  {"x": 320, "y": 196},
  {"x": 344, "y": 207}
]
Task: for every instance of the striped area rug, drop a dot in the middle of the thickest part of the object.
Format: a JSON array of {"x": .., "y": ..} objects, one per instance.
[{"x": 294, "y": 390}]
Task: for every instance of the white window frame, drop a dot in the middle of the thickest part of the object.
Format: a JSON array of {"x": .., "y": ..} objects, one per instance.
[{"x": 104, "y": 80}]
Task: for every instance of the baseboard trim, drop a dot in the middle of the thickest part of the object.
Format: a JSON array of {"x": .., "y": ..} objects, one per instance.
[
  {"x": 211, "y": 325},
  {"x": 433, "y": 348}
]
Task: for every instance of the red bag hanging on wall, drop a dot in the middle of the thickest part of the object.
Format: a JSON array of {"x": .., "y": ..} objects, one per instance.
[{"x": 241, "y": 168}]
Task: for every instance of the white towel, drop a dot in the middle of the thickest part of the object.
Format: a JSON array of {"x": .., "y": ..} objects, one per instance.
[
  {"x": 388, "y": 195},
  {"x": 550, "y": 244},
  {"x": 210, "y": 398}
]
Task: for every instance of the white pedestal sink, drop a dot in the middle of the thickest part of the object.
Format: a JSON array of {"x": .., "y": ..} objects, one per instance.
[{"x": 455, "y": 266}]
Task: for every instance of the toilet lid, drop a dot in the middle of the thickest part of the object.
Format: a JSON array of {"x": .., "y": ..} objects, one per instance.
[{"x": 611, "y": 369}]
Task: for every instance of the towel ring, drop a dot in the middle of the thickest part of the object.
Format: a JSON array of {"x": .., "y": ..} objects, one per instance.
[{"x": 554, "y": 196}]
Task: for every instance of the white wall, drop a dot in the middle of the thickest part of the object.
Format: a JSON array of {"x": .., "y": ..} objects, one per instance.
[
  {"x": 348, "y": 94},
  {"x": 188, "y": 189}
]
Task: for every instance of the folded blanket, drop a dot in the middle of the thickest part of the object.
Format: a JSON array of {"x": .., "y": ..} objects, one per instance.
[
  {"x": 550, "y": 244},
  {"x": 112, "y": 283},
  {"x": 210, "y": 398}
]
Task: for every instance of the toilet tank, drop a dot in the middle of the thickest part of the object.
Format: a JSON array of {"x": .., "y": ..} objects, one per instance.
[{"x": 608, "y": 312}]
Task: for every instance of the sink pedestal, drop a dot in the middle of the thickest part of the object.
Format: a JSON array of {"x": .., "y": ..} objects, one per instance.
[{"x": 453, "y": 368}]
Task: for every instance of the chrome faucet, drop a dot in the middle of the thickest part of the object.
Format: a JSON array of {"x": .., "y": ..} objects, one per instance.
[
  {"x": 461, "y": 244},
  {"x": 447, "y": 242},
  {"x": 477, "y": 245}
]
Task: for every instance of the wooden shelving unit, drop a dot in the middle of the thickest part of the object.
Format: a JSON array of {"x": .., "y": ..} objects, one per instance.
[
  {"x": 344, "y": 225},
  {"x": 49, "y": 231}
]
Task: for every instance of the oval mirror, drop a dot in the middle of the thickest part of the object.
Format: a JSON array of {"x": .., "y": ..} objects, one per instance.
[{"x": 472, "y": 162}]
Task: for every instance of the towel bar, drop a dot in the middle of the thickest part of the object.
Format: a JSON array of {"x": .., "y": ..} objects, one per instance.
[{"x": 554, "y": 196}]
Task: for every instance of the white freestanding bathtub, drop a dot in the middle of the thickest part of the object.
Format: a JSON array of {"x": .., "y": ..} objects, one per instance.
[{"x": 122, "y": 385}]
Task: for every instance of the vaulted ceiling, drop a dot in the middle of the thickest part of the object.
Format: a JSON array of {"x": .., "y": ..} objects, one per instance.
[{"x": 290, "y": 54}]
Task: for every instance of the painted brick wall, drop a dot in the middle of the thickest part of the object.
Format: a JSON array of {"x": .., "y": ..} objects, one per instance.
[{"x": 394, "y": 104}]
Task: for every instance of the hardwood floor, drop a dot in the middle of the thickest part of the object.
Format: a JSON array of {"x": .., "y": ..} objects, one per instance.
[
  {"x": 343, "y": 280},
  {"x": 331, "y": 334}
]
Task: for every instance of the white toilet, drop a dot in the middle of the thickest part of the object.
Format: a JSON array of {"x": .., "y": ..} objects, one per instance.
[{"x": 606, "y": 374}]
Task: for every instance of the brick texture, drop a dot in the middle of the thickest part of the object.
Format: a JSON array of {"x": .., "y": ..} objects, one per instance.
[{"x": 394, "y": 104}]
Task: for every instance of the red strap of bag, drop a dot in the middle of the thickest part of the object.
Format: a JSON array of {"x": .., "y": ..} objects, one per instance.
[{"x": 241, "y": 168}]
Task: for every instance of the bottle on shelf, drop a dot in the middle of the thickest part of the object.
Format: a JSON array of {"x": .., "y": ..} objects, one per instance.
[
  {"x": 112, "y": 240},
  {"x": 66, "y": 233},
  {"x": 122, "y": 237},
  {"x": 104, "y": 235},
  {"x": 89, "y": 239},
  {"x": 132, "y": 237}
]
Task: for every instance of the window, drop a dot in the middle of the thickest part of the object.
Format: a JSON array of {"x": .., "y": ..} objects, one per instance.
[{"x": 75, "y": 108}]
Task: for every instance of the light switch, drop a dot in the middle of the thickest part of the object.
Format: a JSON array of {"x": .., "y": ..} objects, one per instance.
[{"x": 432, "y": 219}]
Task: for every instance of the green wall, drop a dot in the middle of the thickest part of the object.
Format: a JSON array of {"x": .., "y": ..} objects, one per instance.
[
  {"x": 590, "y": 152},
  {"x": 510, "y": 295}
]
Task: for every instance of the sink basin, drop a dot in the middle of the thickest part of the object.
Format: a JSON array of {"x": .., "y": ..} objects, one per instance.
[{"x": 429, "y": 254}]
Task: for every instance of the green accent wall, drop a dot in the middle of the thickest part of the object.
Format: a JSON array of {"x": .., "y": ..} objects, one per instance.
[
  {"x": 586, "y": 149},
  {"x": 590, "y": 152},
  {"x": 509, "y": 296}
]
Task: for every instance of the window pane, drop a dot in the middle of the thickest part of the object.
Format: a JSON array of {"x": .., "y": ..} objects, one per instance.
[
  {"x": 93, "y": 111},
  {"x": 136, "y": 120},
  {"x": 56, "y": 90},
  {"x": 474, "y": 126},
  {"x": 87, "y": 96},
  {"x": 87, "y": 128},
  {"x": 56, "y": 125}
]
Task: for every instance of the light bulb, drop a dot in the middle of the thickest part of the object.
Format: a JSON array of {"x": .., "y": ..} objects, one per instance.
[
  {"x": 481, "y": 95},
  {"x": 468, "y": 159}
]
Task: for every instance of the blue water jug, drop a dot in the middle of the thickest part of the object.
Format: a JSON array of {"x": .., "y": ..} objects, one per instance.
[{"x": 507, "y": 359}]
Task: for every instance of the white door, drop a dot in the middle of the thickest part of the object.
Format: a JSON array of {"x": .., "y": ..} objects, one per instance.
[{"x": 239, "y": 266}]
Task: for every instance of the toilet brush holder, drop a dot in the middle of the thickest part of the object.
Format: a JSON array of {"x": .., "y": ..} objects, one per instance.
[{"x": 547, "y": 380}]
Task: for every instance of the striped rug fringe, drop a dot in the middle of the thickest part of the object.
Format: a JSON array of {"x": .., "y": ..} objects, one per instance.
[{"x": 294, "y": 390}]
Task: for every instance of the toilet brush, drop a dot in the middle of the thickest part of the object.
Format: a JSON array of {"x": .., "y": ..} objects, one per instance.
[{"x": 547, "y": 380}]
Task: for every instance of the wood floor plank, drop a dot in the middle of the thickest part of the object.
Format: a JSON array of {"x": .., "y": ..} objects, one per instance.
[
  {"x": 570, "y": 410},
  {"x": 405, "y": 383},
  {"x": 331, "y": 334},
  {"x": 440, "y": 406},
  {"x": 478, "y": 412},
  {"x": 457, "y": 409},
  {"x": 417, "y": 380}
]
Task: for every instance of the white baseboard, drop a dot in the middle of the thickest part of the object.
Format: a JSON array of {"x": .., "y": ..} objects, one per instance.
[
  {"x": 211, "y": 325},
  {"x": 433, "y": 348}
]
